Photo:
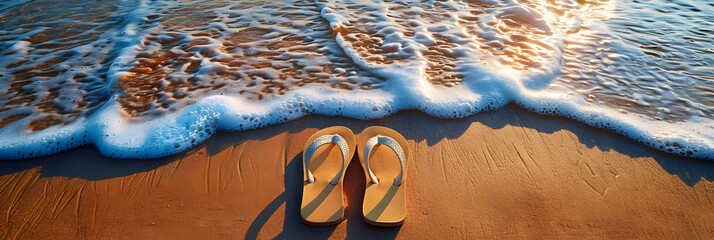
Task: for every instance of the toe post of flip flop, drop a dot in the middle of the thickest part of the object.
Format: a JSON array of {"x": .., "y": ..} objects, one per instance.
[
  {"x": 326, "y": 155},
  {"x": 383, "y": 155}
]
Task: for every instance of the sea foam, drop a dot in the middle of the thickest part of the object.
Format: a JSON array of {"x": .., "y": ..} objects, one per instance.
[{"x": 147, "y": 79}]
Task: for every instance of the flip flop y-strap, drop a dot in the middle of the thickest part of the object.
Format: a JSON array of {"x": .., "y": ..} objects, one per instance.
[
  {"x": 391, "y": 143},
  {"x": 322, "y": 140}
]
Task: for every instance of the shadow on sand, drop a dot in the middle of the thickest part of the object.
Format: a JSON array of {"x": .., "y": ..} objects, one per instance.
[{"x": 294, "y": 228}]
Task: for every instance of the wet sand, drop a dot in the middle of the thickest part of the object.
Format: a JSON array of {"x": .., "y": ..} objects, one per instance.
[{"x": 502, "y": 174}]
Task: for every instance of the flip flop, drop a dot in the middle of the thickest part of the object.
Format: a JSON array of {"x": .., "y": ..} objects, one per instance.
[
  {"x": 326, "y": 155},
  {"x": 383, "y": 157}
]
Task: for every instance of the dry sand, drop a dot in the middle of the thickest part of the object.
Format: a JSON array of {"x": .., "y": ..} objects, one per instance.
[{"x": 502, "y": 174}]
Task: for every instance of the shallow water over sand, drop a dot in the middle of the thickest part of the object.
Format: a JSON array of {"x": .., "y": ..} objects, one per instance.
[{"x": 144, "y": 79}]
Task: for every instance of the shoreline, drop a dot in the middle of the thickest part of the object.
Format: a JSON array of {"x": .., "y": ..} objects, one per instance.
[{"x": 505, "y": 173}]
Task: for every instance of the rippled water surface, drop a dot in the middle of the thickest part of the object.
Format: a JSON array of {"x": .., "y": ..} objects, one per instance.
[{"x": 144, "y": 79}]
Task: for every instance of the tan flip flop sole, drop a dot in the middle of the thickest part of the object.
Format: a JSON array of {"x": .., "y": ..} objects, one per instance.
[
  {"x": 322, "y": 193},
  {"x": 385, "y": 199}
]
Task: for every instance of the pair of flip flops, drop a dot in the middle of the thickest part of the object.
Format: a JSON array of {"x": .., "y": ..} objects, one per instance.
[{"x": 383, "y": 158}]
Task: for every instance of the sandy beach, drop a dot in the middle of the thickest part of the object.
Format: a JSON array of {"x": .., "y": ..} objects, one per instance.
[{"x": 505, "y": 174}]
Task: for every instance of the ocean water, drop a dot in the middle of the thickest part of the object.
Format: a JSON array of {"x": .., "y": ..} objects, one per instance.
[{"x": 151, "y": 78}]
